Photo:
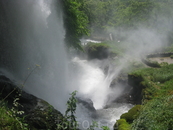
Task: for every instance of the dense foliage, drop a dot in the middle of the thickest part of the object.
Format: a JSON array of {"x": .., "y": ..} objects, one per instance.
[
  {"x": 155, "y": 114},
  {"x": 75, "y": 22},
  {"x": 106, "y": 16},
  {"x": 127, "y": 13},
  {"x": 9, "y": 120}
]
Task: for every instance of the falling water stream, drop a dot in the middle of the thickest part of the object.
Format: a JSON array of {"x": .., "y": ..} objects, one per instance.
[{"x": 32, "y": 44}]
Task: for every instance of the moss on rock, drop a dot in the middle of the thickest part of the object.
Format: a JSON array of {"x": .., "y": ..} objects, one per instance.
[
  {"x": 131, "y": 114},
  {"x": 121, "y": 124},
  {"x": 97, "y": 50}
]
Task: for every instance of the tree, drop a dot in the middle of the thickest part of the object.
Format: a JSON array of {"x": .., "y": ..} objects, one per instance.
[{"x": 75, "y": 22}]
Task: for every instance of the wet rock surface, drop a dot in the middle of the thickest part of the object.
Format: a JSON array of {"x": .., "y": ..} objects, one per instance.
[
  {"x": 127, "y": 94},
  {"x": 38, "y": 113},
  {"x": 88, "y": 105}
]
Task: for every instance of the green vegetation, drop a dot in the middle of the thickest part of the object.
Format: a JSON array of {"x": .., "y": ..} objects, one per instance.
[
  {"x": 75, "y": 22},
  {"x": 9, "y": 120},
  {"x": 129, "y": 14},
  {"x": 70, "y": 119},
  {"x": 127, "y": 118},
  {"x": 155, "y": 115},
  {"x": 97, "y": 50},
  {"x": 94, "y": 46},
  {"x": 107, "y": 48},
  {"x": 157, "y": 90},
  {"x": 131, "y": 114},
  {"x": 100, "y": 17},
  {"x": 95, "y": 125},
  {"x": 121, "y": 124},
  {"x": 12, "y": 119}
]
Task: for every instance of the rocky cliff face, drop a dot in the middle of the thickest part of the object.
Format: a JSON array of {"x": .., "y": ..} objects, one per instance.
[{"x": 137, "y": 87}]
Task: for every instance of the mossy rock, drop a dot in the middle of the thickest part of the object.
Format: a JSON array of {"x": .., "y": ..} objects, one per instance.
[
  {"x": 97, "y": 50},
  {"x": 153, "y": 64},
  {"x": 121, "y": 124},
  {"x": 131, "y": 114}
]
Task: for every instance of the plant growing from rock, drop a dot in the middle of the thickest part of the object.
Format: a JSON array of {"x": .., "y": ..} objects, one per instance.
[
  {"x": 70, "y": 112},
  {"x": 70, "y": 120},
  {"x": 9, "y": 119}
]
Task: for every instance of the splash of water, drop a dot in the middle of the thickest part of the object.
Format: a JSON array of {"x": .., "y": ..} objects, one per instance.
[
  {"x": 33, "y": 35},
  {"x": 91, "y": 82}
]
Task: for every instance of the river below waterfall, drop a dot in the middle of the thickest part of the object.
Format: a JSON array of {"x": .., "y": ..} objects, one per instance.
[
  {"x": 93, "y": 83},
  {"x": 106, "y": 116}
]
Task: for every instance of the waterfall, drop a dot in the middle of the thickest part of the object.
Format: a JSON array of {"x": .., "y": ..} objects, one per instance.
[
  {"x": 32, "y": 47},
  {"x": 33, "y": 53}
]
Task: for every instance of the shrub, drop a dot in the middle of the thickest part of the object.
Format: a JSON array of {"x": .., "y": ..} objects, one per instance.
[{"x": 9, "y": 120}]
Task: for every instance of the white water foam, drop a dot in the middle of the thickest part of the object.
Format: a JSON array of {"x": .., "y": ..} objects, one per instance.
[{"x": 91, "y": 82}]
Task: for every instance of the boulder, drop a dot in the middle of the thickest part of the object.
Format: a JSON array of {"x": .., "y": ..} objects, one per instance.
[
  {"x": 88, "y": 104},
  {"x": 97, "y": 51}
]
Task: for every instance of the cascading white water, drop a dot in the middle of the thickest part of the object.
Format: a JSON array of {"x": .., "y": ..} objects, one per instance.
[
  {"x": 91, "y": 82},
  {"x": 33, "y": 46}
]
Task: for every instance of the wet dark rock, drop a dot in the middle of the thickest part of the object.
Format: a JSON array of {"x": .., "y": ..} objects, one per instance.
[
  {"x": 120, "y": 80},
  {"x": 150, "y": 63},
  {"x": 159, "y": 55},
  {"x": 97, "y": 51},
  {"x": 137, "y": 87},
  {"x": 44, "y": 116},
  {"x": 127, "y": 96},
  {"x": 88, "y": 104},
  {"x": 38, "y": 113}
]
